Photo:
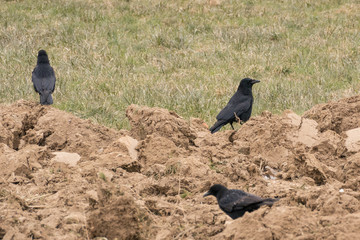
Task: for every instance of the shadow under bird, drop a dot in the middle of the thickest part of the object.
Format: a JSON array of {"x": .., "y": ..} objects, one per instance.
[
  {"x": 43, "y": 78},
  {"x": 239, "y": 106},
  {"x": 236, "y": 202}
]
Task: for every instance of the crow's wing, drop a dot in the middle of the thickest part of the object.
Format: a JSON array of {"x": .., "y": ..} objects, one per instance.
[
  {"x": 51, "y": 81},
  {"x": 238, "y": 200},
  {"x": 36, "y": 81},
  {"x": 237, "y": 104},
  {"x": 43, "y": 81}
]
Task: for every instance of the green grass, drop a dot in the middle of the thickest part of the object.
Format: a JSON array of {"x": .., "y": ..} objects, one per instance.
[
  {"x": 182, "y": 55},
  {"x": 102, "y": 176}
]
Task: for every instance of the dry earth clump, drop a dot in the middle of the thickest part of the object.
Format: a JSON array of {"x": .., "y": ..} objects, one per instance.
[{"x": 63, "y": 177}]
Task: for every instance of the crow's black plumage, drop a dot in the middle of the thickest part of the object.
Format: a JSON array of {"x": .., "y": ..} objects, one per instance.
[
  {"x": 239, "y": 106},
  {"x": 236, "y": 202},
  {"x": 43, "y": 78}
]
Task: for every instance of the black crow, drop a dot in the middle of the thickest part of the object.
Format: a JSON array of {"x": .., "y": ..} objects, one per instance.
[
  {"x": 239, "y": 106},
  {"x": 236, "y": 202},
  {"x": 43, "y": 78}
]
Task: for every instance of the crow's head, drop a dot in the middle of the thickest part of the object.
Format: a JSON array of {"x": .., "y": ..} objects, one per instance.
[
  {"x": 43, "y": 57},
  {"x": 248, "y": 82},
  {"x": 42, "y": 53},
  {"x": 215, "y": 190}
]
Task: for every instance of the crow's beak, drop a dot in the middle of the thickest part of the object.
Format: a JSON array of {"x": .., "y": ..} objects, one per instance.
[
  {"x": 254, "y": 81},
  {"x": 207, "y": 194}
]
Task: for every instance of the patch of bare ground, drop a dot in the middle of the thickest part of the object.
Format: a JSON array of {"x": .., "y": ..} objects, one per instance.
[{"x": 63, "y": 177}]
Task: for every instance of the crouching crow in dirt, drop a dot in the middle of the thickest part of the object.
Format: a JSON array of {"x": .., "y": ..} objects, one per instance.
[
  {"x": 43, "y": 78},
  {"x": 238, "y": 108},
  {"x": 236, "y": 202}
]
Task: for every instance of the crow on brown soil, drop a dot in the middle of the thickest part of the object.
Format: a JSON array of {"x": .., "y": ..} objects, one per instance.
[
  {"x": 236, "y": 202},
  {"x": 238, "y": 107}
]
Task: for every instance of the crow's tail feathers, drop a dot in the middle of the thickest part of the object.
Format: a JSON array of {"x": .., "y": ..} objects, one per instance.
[
  {"x": 269, "y": 201},
  {"x": 46, "y": 98},
  {"x": 217, "y": 126}
]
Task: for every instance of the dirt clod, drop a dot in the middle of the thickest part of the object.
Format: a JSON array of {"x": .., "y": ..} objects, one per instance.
[{"x": 63, "y": 177}]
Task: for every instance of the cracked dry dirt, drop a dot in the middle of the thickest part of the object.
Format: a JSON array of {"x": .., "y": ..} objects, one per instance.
[{"x": 62, "y": 177}]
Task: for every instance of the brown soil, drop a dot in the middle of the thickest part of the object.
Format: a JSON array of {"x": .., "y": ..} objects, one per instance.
[{"x": 62, "y": 177}]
